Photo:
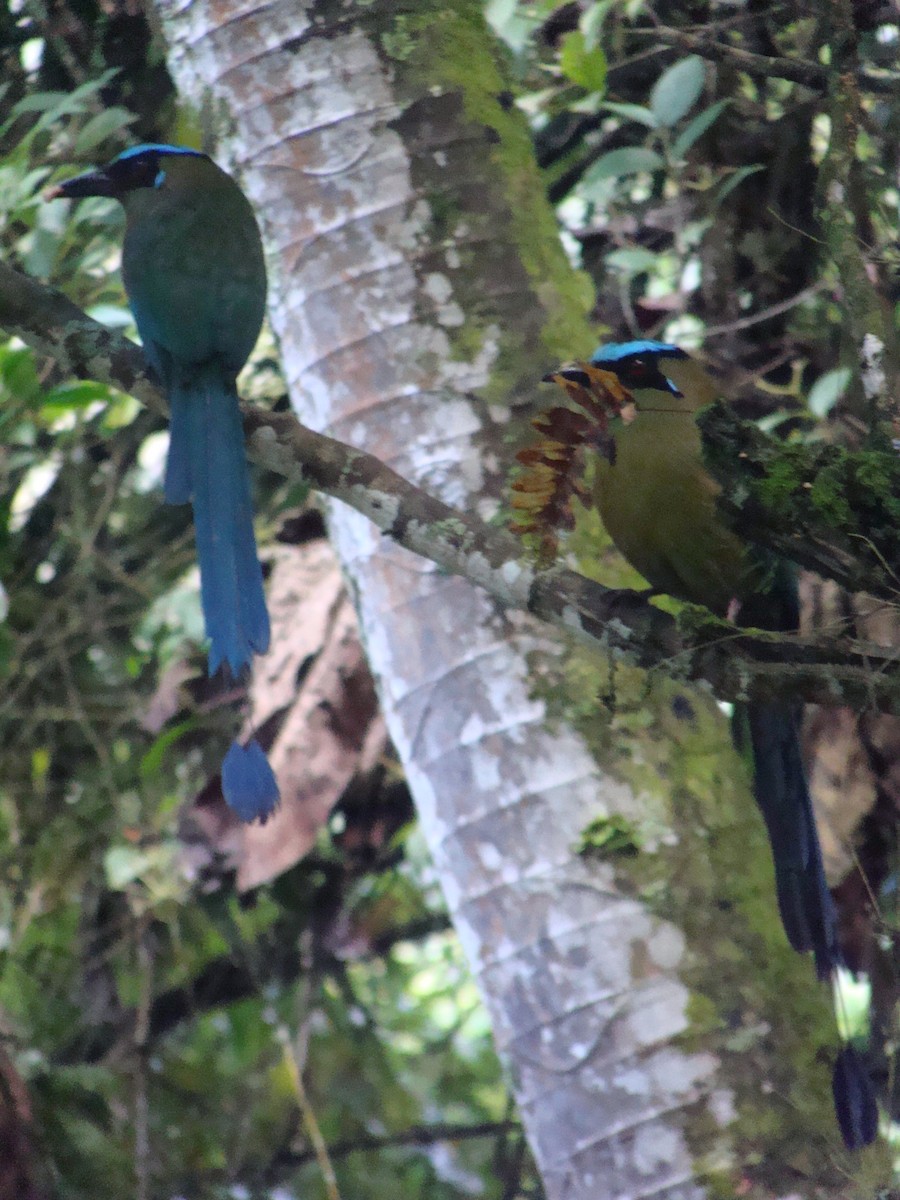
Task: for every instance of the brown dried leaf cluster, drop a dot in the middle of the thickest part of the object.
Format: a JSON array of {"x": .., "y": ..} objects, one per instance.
[{"x": 553, "y": 465}]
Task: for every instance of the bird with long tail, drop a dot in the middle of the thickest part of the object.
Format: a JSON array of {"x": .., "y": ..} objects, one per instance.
[
  {"x": 194, "y": 272},
  {"x": 657, "y": 502}
]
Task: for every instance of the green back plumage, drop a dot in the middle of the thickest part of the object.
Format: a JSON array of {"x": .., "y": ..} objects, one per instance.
[{"x": 193, "y": 265}]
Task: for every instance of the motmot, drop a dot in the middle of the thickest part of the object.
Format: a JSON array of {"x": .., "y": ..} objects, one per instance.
[
  {"x": 194, "y": 272},
  {"x": 657, "y": 501}
]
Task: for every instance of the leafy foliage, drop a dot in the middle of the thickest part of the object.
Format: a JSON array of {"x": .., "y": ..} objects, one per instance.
[{"x": 160, "y": 1022}]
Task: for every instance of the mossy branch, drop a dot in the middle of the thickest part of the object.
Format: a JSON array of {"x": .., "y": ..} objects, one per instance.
[
  {"x": 831, "y": 510},
  {"x": 737, "y": 664}
]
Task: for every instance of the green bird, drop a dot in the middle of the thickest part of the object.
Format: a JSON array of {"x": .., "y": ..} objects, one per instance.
[
  {"x": 658, "y": 504},
  {"x": 193, "y": 268}
]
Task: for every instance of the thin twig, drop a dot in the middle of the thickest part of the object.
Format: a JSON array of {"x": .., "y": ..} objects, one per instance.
[
  {"x": 296, "y": 1050},
  {"x": 414, "y": 1135},
  {"x": 764, "y": 66},
  {"x": 774, "y": 310},
  {"x": 142, "y": 1157}
]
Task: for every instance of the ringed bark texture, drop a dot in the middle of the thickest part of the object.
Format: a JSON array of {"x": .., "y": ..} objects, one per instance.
[{"x": 419, "y": 291}]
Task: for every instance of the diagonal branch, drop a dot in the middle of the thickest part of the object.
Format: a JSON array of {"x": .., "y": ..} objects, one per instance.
[
  {"x": 764, "y": 66},
  {"x": 736, "y": 663},
  {"x": 414, "y": 1135}
]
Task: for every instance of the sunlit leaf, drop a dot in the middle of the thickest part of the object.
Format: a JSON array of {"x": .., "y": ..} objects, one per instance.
[
  {"x": 114, "y": 315},
  {"x": 582, "y": 65},
  {"x": 827, "y": 390},
  {"x": 633, "y": 112},
  {"x": 632, "y": 260},
  {"x": 677, "y": 89},
  {"x": 626, "y": 161},
  {"x": 126, "y": 864},
  {"x": 592, "y": 19}
]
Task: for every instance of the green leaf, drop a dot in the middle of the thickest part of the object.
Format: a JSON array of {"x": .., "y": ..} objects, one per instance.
[
  {"x": 591, "y": 22},
  {"x": 70, "y": 396},
  {"x": 580, "y": 65},
  {"x": 54, "y": 105},
  {"x": 18, "y": 374},
  {"x": 99, "y": 128},
  {"x": 39, "y": 102},
  {"x": 827, "y": 390},
  {"x": 151, "y": 762},
  {"x": 633, "y": 112},
  {"x": 632, "y": 260},
  {"x": 696, "y": 128},
  {"x": 737, "y": 178},
  {"x": 125, "y": 864},
  {"x": 625, "y": 161},
  {"x": 676, "y": 91}
]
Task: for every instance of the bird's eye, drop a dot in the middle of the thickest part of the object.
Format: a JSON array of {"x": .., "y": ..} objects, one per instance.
[
  {"x": 142, "y": 171},
  {"x": 636, "y": 372}
]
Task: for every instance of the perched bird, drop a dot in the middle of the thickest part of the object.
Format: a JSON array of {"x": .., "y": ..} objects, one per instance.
[
  {"x": 658, "y": 504},
  {"x": 193, "y": 268}
]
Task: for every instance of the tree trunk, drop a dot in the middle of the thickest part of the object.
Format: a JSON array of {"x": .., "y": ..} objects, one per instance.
[{"x": 656, "y": 1027}]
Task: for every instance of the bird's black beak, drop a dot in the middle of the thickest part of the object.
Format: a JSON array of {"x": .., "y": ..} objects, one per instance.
[{"x": 93, "y": 183}]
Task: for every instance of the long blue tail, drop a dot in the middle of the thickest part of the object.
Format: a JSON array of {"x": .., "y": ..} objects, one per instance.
[
  {"x": 782, "y": 793},
  {"x": 804, "y": 900},
  {"x": 207, "y": 465},
  {"x": 805, "y": 903}
]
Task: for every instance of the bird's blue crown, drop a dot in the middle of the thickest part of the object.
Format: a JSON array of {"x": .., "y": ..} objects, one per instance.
[
  {"x": 614, "y": 352},
  {"x": 639, "y": 364},
  {"x": 156, "y": 148},
  {"x": 151, "y": 153}
]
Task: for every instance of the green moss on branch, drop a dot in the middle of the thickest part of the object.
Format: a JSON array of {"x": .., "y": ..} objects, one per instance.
[{"x": 834, "y": 511}]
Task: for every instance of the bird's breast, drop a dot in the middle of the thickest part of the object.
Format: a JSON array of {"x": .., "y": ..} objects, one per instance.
[
  {"x": 658, "y": 505},
  {"x": 195, "y": 275}
]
